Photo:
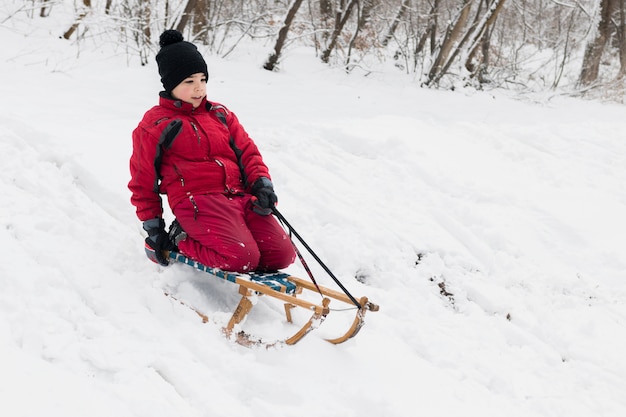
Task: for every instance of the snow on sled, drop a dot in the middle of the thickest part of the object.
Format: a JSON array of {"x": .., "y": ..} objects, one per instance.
[{"x": 288, "y": 289}]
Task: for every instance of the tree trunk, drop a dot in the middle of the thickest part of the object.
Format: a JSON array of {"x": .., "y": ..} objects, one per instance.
[
  {"x": 474, "y": 35},
  {"x": 87, "y": 7},
  {"x": 272, "y": 60},
  {"x": 340, "y": 22},
  {"x": 595, "y": 48},
  {"x": 622, "y": 38},
  {"x": 365, "y": 13},
  {"x": 404, "y": 7},
  {"x": 326, "y": 10},
  {"x": 145, "y": 41},
  {"x": 453, "y": 34},
  {"x": 44, "y": 11},
  {"x": 187, "y": 14},
  {"x": 480, "y": 40},
  {"x": 200, "y": 22},
  {"x": 429, "y": 32}
]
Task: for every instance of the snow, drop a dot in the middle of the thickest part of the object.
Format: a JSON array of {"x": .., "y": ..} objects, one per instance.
[{"x": 490, "y": 230}]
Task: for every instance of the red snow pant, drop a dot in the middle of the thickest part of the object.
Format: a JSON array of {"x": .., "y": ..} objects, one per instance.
[{"x": 224, "y": 232}]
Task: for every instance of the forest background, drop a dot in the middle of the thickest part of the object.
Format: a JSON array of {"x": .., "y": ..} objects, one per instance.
[{"x": 573, "y": 47}]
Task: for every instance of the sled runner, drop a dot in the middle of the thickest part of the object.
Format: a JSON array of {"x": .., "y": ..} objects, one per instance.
[{"x": 288, "y": 289}]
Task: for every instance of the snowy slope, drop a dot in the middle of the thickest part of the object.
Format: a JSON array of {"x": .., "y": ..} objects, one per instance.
[{"x": 491, "y": 232}]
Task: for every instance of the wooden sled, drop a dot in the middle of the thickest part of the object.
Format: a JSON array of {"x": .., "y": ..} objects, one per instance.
[{"x": 284, "y": 287}]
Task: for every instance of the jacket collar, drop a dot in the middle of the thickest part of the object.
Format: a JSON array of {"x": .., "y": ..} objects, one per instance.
[{"x": 169, "y": 102}]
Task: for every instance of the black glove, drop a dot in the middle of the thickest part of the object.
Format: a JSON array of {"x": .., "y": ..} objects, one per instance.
[
  {"x": 158, "y": 241},
  {"x": 265, "y": 197}
]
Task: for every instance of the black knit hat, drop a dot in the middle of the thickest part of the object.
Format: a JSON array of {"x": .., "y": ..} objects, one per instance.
[{"x": 178, "y": 59}]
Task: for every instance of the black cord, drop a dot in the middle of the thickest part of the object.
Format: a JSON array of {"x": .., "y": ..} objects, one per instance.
[{"x": 319, "y": 261}]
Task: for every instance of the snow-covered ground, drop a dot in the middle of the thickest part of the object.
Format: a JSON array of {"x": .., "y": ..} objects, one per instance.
[{"x": 491, "y": 231}]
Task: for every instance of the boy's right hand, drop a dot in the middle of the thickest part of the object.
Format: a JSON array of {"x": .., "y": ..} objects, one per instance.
[{"x": 158, "y": 241}]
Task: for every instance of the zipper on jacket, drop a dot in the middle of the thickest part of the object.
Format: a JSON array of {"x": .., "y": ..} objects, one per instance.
[
  {"x": 227, "y": 189},
  {"x": 195, "y": 129},
  {"x": 180, "y": 176},
  {"x": 195, "y": 207}
]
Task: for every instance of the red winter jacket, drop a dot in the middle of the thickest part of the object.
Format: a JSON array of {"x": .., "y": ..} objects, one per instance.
[{"x": 202, "y": 159}]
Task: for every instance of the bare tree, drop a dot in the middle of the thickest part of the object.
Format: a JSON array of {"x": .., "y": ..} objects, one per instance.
[
  {"x": 478, "y": 56},
  {"x": 272, "y": 60},
  {"x": 453, "y": 35},
  {"x": 326, "y": 12},
  {"x": 44, "y": 11},
  {"x": 517, "y": 43},
  {"x": 430, "y": 31},
  {"x": 364, "y": 8},
  {"x": 82, "y": 13},
  {"x": 595, "y": 48},
  {"x": 621, "y": 35},
  {"x": 460, "y": 34},
  {"x": 342, "y": 14},
  {"x": 200, "y": 19},
  {"x": 187, "y": 15},
  {"x": 195, "y": 19},
  {"x": 402, "y": 11}
]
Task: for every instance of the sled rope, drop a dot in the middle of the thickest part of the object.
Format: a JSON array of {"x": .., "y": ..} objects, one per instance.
[
  {"x": 319, "y": 261},
  {"x": 305, "y": 265}
]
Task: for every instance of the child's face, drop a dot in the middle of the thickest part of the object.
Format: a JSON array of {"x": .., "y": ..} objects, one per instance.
[{"x": 191, "y": 90}]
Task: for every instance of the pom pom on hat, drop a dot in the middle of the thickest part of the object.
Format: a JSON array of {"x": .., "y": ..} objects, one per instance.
[
  {"x": 169, "y": 37},
  {"x": 178, "y": 59}
]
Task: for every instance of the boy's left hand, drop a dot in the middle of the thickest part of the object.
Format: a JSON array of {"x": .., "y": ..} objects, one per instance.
[{"x": 265, "y": 197}]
